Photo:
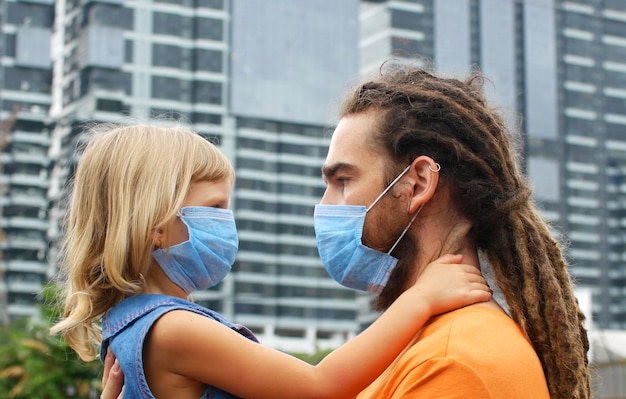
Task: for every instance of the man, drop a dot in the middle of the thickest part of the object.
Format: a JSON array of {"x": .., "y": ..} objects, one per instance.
[{"x": 431, "y": 170}]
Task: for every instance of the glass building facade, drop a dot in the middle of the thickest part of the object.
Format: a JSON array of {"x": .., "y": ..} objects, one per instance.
[
  {"x": 262, "y": 81},
  {"x": 266, "y": 100},
  {"x": 559, "y": 74},
  {"x": 25, "y": 97}
]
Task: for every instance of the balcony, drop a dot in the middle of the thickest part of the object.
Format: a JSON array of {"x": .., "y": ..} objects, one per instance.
[
  {"x": 26, "y": 266},
  {"x": 27, "y": 223},
  {"x": 24, "y": 287}
]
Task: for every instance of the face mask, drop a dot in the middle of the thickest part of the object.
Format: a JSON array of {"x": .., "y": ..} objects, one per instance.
[
  {"x": 338, "y": 232},
  {"x": 207, "y": 256}
]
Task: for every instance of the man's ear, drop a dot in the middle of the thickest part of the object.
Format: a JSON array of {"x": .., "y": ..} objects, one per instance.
[{"x": 424, "y": 178}]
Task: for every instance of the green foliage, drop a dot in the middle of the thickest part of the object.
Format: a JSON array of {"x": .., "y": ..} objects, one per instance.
[
  {"x": 34, "y": 364},
  {"x": 314, "y": 358}
]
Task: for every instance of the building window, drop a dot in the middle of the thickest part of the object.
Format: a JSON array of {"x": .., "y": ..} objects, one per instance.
[
  {"x": 27, "y": 80},
  {"x": 169, "y": 115},
  {"x": 108, "y": 15},
  {"x": 30, "y": 14},
  {"x": 172, "y": 24},
  {"x": 214, "y": 4},
  {"x": 171, "y": 56},
  {"x": 208, "y": 28},
  {"x": 404, "y": 47},
  {"x": 9, "y": 45},
  {"x": 128, "y": 51},
  {"x": 211, "y": 119},
  {"x": 406, "y": 20},
  {"x": 92, "y": 78},
  {"x": 207, "y": 60},
  {"x": 614, "y": 28},
  {"x": 110, "y": 105},
  {"x": 170, "y": 88},
  {"x": 184, "y": 3},
  {"x": 207, "y": 92}
]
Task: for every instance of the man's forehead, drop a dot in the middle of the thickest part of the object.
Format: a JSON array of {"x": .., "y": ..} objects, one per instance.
[{"x": 349, "y": 149}]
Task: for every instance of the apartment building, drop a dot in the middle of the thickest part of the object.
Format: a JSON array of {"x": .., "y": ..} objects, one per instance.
[
  {"x": 25, "y": 99},
  {"x": 557, "y": 71},
  {"x": 260, "y": 79}
]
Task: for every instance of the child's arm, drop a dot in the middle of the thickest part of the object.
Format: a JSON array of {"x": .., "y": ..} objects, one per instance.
[{"x": 185, "y": 344}]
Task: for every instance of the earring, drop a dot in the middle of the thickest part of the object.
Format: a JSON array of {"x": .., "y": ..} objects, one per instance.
[{"x": 437, "y": 168}]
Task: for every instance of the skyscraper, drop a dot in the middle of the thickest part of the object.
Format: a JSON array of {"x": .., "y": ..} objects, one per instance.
[
  {"x": 557, "y": 71},
  {"x": 285, "y": 85},
  {"x": 259, "y": 79},
  {"x": 25, "y": 87}
]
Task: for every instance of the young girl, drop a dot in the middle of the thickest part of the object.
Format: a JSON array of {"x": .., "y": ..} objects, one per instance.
[{"x": 148, "y": 224}]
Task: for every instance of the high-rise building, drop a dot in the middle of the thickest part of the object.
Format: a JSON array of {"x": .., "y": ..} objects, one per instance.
[
  {"x": 25, "y": 98},
  {"x": 557, "y": 69},
  {"x": 285, "y": 85},
  {"x": 261, "y": 79}
]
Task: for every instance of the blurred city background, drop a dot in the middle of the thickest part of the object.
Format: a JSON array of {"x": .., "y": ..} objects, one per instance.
[{"x": 262, "y": 79}]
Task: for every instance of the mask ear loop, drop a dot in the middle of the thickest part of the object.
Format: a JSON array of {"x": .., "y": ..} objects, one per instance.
[
  {"x": 437, "y": 169},
  {"x": 388, "y": 187},
  {"x": 405, "y": 230}
]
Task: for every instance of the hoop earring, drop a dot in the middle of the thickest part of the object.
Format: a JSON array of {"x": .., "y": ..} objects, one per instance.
[{"x": 437, "y": 168}]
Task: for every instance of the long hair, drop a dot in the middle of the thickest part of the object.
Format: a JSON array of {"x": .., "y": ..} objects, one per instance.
[
  {"x": 130, "y": 182},
  {"x": 449, "y": 120}
]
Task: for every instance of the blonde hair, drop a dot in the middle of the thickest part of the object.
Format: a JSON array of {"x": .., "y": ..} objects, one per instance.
[{"x": 130, "y": 182}]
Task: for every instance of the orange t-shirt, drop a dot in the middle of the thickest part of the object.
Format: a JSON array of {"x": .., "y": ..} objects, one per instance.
[{"x": 472, "y": 353}]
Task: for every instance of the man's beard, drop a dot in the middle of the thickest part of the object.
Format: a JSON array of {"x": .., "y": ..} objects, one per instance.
[{"x": 384, "y": 224}]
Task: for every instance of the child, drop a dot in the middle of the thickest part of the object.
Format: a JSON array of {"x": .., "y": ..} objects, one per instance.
[{"x": 148, "y": 224}]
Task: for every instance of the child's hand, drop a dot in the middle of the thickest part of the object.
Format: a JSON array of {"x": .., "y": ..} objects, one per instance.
[
  {"x": 112, "y": 379},
  {"x": 446, "y": 284}
]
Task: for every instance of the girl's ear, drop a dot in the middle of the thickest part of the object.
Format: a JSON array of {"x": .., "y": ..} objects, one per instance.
[
  {"x": 158, "y": 237},
  {"x": 424, "y": 178}
]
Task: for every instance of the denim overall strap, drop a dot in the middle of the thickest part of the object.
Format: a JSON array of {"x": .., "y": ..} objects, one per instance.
[{"x": 125, "y": 327}]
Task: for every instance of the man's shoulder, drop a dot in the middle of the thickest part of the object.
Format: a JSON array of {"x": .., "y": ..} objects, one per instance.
[
  {"x": 480, "y": 345},
  {"x": 480, "y": 338},
  {"x": 476, "y": 335},
  {"x": 472, "y": 328},
  {"x": 476, "y": 316}
]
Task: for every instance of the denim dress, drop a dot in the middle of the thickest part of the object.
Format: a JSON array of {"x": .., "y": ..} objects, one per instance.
[{"x": 124, "y": 329}]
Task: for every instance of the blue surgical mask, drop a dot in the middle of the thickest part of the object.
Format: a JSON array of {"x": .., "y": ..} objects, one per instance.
[
  {"x": 338, "y": 232},
  {"x": 208, "y": 255}
]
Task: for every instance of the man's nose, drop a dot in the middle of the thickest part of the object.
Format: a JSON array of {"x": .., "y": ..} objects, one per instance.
[{"x": 327, "y": 198}]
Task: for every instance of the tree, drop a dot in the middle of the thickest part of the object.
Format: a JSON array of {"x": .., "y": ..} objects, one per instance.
[{"x": 34, "y": 364}]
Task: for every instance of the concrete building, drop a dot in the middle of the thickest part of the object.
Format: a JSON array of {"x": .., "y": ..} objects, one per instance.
[
  {"x": 285, "y": 85},
  {"x": 262, "y": 82},
  {"x": 25, "y": 88},
  {"x": 559, "y": 73},
  {"x": 227, "y": 69}
]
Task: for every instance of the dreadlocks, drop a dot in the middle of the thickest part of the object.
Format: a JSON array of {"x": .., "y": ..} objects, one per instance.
[{"x": 450, "y": 121}]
